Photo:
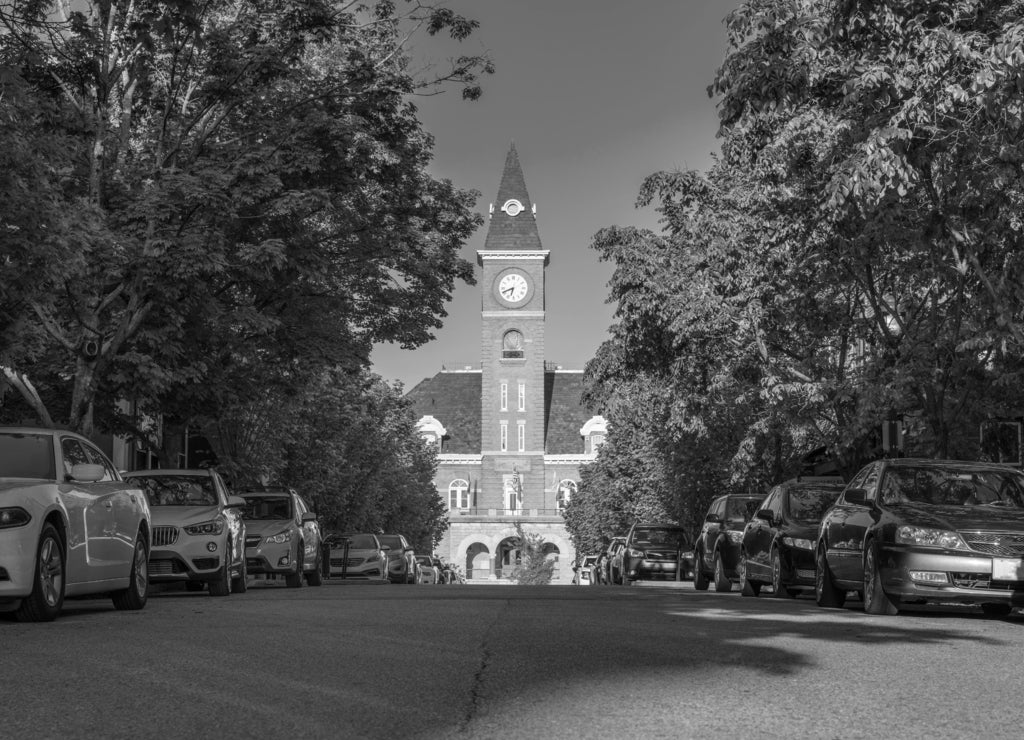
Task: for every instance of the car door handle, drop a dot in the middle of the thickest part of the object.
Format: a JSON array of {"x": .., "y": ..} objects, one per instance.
[
  {"x": 109, "y": 504},
  {"x": 131, "y": 497}
]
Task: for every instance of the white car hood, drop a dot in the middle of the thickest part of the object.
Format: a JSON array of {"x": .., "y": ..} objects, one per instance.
[{"x": 182, "y": 516}]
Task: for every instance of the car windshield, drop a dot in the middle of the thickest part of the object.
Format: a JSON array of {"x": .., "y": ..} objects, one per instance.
[
  {"x": 26, "y": 456},
  {"x": 392, "y": 541},
  {"x": 355, "y": 541},
  {"x": 267, "y": 507},
  {"x": 424, "y": 560},
  {"x": 675, "y": 539},
  {"x": 742, "y": 508},
  {"x": 808, "y": 505},
  {"x": 177, "y": 490},
  {"x": 951, "y": 486}
]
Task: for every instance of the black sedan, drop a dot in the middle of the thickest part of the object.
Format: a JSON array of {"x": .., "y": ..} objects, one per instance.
[
  {"x": 912, "y": 531},
  {"x": 778, "y": 542}
]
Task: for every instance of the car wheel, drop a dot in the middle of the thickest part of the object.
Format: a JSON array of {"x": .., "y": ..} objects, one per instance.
[
  {"x": 294, "y": 580},
  {"x": 222, "y": 586},
  {"x": 315, "y": 577},
  {"x": 134, "y": 597},
  {"x": 240, "y": 583},
  {"x": 875, "y": 600},
  {"x": 825, "y": 592},
  {"x": 996, "y": 610},
  {"x": 700, "y": 581},
  {"x": 747, "y": 587},
  {"x": 780, "y": 591},
  {"x": 722, "y": 582},
  {"x": 47, "y": 597}
]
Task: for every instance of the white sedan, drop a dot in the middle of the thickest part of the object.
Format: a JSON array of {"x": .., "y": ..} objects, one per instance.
[{"x": 69, "y": 525}]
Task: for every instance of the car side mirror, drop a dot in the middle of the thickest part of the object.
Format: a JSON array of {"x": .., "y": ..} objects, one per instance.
[
  {"x": 309, "y": 516},
  {"x": 713, "y": 519},
  {"x": 408, "y": 549},
  {"x": 766, "y": 515},
  {"x": 87, "y": 472},
  {"x": 856, "y": 496},
  {"x": 236, "y": 502}
]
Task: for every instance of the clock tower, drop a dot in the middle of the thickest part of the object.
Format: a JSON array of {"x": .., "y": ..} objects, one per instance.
[{"x": 512, "y": 348}]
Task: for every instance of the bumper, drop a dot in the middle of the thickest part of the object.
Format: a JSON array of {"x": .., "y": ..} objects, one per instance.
[
  {"x": 271, "y": 558},
  {"x": 18, "y": 559},
  {"x": 920, "y": 575},
  {"x": 665, "y": 570},
  {"x": 352, "y": 570},
  {"x": 192, "y": 560},
  {"x": 797, "y": 566}
]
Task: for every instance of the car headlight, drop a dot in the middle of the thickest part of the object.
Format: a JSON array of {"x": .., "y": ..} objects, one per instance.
[
  {"x": 635, "y": 553},
  {"x": 924, "y": 537},
  {"x": 373, "y": 558},
  {"x": 214, "y": 526},
  {"x": 14, "y": 516},
  {"x": 735, "y": 535},
  {"x": 280, "y": 538},
  {"x": 798, "y": 542}
]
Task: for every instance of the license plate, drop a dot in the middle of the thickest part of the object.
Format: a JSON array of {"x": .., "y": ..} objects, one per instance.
[{"x": 1007, "y": 569}]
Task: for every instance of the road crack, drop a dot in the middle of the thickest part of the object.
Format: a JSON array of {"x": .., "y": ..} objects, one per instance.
[{"x": 476, "y": 690}]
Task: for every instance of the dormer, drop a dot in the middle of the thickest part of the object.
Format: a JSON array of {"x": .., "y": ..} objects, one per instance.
[
  {"x": 593, "y": 433},
  {"x": 431, "y": 430}
]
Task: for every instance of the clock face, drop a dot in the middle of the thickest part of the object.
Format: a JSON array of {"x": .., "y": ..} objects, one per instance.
[{"x": 513, "y": 287}]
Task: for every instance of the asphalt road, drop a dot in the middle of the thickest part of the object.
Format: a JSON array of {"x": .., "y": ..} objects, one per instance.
[{"x": 395, "y": 662}]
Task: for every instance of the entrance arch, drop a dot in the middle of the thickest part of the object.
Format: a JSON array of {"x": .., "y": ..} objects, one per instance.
[
  {"x": 551, "y": 552},
  {"x": 508, "y": 557},
  {"x": 478, "y": 561}
]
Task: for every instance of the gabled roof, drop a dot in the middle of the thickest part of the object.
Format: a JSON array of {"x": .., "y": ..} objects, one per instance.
[{"x": 512, "y": 232}]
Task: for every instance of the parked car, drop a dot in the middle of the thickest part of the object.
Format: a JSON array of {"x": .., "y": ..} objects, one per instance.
[
  {"x": 908, "y": 531},
  {"x": 716, "y": 554},
  {"x": 69, "y": 525},
  {"x": 613, "y": 561},
  {"x": 778, "y": 542},
  {"x": 357, "y": 555},
  {"x": 656, "y": 551},
  {"x": 429, "y": 569},
  {"x": 198, "y": 533},
  {"x": 282, "y": 537},
  {"x": 401, "y": 558}
]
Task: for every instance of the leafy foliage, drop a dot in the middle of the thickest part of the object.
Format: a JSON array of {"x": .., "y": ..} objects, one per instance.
[{"x": 534, "y": 568}]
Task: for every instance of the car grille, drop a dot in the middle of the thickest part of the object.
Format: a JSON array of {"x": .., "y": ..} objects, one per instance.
[
  {"x": 1000, "y": 544},
  {"x": 349, "y": 563},
  {"x": 252, "y": 540},
  {"x": 164, "y": 536},
  {"x": 653, "y": 555},
  {"x": 165, "y": 567},
  {"x": 805, "y": 573},
  {"x": 984, "y": 581}
]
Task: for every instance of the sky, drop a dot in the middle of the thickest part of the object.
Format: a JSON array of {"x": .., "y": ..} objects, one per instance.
[{"x": 596, "y": 95}]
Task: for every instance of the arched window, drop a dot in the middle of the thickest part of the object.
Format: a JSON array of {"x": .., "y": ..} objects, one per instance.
[
  {"x": 512, "y": 345},
  {"x": 566, "y": 490},
  {"x": 458, "y": 494}
]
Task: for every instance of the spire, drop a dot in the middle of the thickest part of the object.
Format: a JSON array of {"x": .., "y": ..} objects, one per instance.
[{"x": 513, "y": 225}]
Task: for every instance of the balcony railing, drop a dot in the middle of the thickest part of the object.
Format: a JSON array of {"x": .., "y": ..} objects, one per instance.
[{"x": 504, "y": 513}]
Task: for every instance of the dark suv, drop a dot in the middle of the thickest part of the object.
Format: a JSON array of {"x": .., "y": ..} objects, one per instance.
[
  {"x": 716, "y": 556},
  {"x": 655, "y": 551}
]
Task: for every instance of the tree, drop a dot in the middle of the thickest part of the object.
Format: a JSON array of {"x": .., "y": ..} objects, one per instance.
[
  {"x": 232, "y": 170},
  {"x": 534, "y": 568}
]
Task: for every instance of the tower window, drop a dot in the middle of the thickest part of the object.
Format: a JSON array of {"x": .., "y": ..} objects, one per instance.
[
  {"x": 522, "y": 396},
  {"x": 504, "y": 396},
  {"x": 504, "y": 436},
  {"x": 522, "y": 436},
  {"x": 458, "y": 494},
  {"x": 512, "y": 345},
  {"x": 566, "y": 489}
]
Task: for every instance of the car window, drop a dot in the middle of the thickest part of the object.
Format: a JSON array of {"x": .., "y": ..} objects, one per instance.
[
  {"x": 742, "y": 508},
  {"x": 392, "y": 541},
  {"x": 771, "y": 502},
  {"x": 98, "y": 458},
  {"x": 809, "y": 505},
  {"x": 267, "y": 507},
  {"x": 26, "y": 456},
  {"x": 718, "y": 508},
  {"x": 73, "y": 454},
  {"x": 949, "y": 486},
  {"x": 871, "y": 482},
  {"x": 660, "y": 537},
  {"x": 177, "y": 490}
]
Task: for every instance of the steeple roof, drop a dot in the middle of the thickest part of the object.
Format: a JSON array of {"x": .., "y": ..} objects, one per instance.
[{"x": 511, "y": 228}]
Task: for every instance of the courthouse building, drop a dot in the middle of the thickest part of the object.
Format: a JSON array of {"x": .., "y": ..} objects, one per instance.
[{"x": 511, "y": 432}]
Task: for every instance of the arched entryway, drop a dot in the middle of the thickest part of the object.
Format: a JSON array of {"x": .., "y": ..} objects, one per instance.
[
  {"x": 551, "y": 552},
  {"x": 508, "y": 557},
  {"x": 478, "y": 561}
]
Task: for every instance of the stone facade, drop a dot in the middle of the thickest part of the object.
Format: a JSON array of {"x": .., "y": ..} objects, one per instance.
[{"x": 533, "y": 432}]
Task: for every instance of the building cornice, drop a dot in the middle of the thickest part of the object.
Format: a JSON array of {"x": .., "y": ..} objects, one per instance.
[
  {"x": 507, "y": 312},
  {"x": 452, "y": 459},
  {"x": 513, "y": 254},
  {"x": 580, "y": 459}
]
